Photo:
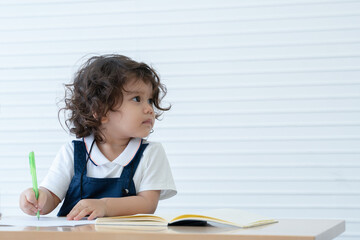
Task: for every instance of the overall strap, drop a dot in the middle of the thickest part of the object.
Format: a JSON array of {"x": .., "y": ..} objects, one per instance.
[
  {"x": 130, "y": 169},
  {"x": 80, "y": 154}
]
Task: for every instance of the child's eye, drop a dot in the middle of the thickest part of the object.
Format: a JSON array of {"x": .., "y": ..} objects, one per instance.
[
  {"x": 136, "y": 99},
  {"x": 151, "y": 101}
]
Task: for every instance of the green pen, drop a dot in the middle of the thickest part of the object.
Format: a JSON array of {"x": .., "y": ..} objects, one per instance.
[{"x": 34, "y": 178}]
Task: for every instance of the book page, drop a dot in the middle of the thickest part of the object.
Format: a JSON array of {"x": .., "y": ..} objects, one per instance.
[
  {"x": 138, "y": 219},
  {"x": 235, "y": 216}
]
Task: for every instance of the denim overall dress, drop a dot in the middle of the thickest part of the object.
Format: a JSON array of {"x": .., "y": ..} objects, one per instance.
[{"x": 97, "y": 188}]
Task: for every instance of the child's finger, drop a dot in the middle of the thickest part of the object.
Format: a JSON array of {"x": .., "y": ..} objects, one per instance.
[
  {"x": 41, "y": 200},
  {"x": 74, "y": 212},
  {"x": 27, "y": 206},
  {"x": 83, "y": 213},
  {"x": 31, "y": 198},
  {"x": 93, "y": 215}
]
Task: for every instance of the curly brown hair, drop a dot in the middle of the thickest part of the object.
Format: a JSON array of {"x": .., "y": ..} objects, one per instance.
[{"x": 98, "y": 88}]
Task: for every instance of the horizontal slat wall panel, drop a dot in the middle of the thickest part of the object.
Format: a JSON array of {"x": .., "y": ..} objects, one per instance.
[{"x": 265, "y": 96}]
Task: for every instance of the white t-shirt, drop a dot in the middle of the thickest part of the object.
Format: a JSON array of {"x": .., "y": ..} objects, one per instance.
[{"x": 152, "y": 173}]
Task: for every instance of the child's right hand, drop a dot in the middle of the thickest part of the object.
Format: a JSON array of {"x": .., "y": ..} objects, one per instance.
[{"x": 28, "y": 202}]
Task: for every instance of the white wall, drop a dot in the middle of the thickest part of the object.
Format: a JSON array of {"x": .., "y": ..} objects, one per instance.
[{"x": 265, "y": 96}]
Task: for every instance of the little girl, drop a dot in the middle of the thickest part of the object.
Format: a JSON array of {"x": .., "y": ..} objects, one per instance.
[{"x": 110, "y": 169}]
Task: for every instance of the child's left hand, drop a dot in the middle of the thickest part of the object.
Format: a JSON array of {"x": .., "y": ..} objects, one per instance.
[{"x": 92, "y": 207}]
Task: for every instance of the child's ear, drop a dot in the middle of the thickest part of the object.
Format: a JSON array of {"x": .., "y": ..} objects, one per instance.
[{"x": 104, "y": 120}]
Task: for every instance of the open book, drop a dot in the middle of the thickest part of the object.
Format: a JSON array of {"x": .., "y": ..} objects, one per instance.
[{"x": 233, "y": 217}]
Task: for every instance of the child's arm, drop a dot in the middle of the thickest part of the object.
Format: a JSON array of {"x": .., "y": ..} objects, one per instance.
[
  {"x": 144, "y": 202},
  {"x": 46, "y": 202}
]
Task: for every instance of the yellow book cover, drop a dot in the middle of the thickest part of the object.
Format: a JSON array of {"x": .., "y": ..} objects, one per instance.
[{"x": 233, "y": 217}]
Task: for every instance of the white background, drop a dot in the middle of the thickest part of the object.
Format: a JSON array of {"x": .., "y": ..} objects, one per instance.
[{"x": 265, "y": 96}]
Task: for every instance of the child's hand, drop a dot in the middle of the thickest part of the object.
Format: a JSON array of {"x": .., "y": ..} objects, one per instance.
[
  {"x": 92, "y": 207},
  {"x": 29, "y": 204}
]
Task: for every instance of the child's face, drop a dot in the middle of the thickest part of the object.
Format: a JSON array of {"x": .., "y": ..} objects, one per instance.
[{"x": 135, "y": 117}]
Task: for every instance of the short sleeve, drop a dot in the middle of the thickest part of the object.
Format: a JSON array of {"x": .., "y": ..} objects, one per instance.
[
  {"x": 59, "y": 176},
  {"x": 154, "y": 172}
]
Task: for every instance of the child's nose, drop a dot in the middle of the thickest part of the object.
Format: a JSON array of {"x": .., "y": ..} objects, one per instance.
[{"x": 149, "y": 108}]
